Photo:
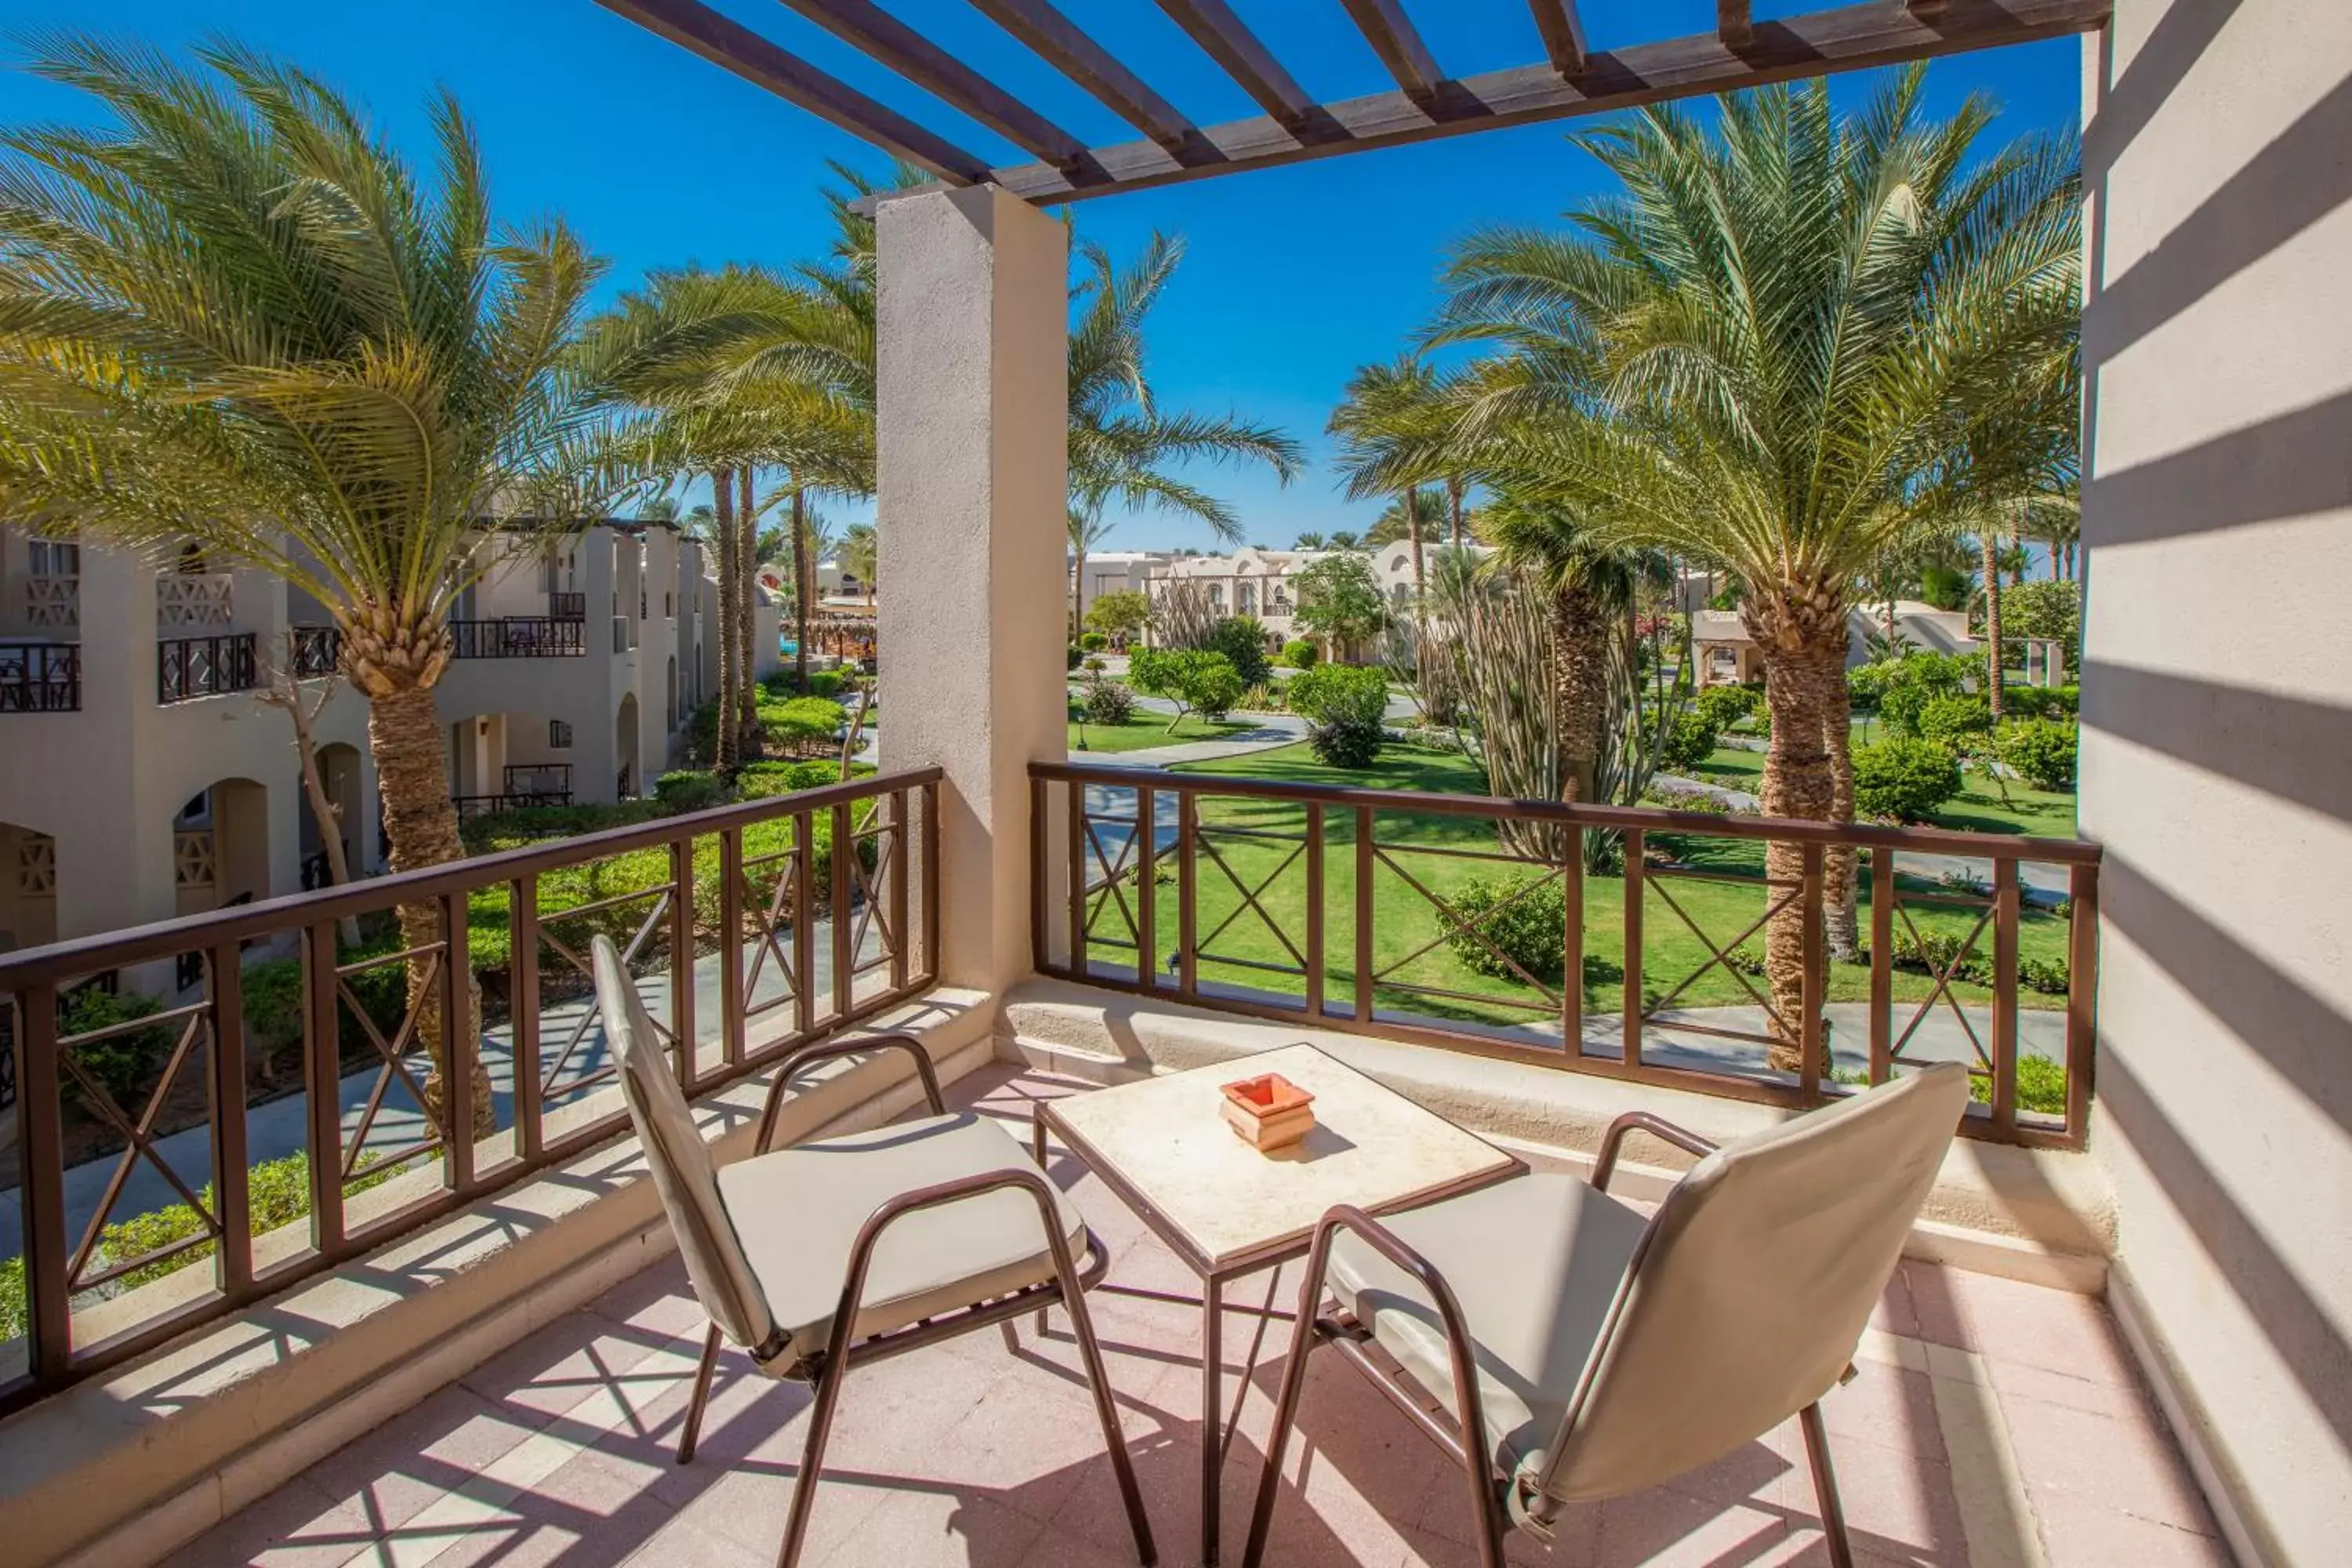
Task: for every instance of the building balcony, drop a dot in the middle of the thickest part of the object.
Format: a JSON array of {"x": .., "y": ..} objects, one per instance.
[
  {"x": 40, "y": 678},
  {"x": 565, "y": 606},
  {"x": 318, "y": 650},
  {"x": 190, "y": 668},
  {"x": 52, "y": 603},
  {"x": 193, "y": 599},
  {"x": 518, "y": 637}
]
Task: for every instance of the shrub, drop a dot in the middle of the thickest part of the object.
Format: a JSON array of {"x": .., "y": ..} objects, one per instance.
[
  {"x": 2041, "y": 751},
  {"x": 689, "y": 789},
  {"x": 1093, "y": 642},
  {"x": 2040, "y": 1085},
  {"x": 1095, "y": 663},
  {"x": 783, "y": 685},
  {"x": 760, "y": 780},
  {"x": 1107, "y": 702},
  {"x": 1957, "y": 720},
  {"x": 1195, "y": 679},
  {"x": 1347, "y": 706},
  {"x": 1347, "y": 743},
  {"x": 125, "y": 1064},
  {"x": 1900, "y": 706},
  {"x": 1265, "y": 697},
  {"x": 1243, "y": 640},
  {"x": 1077, "y": 653},
  {"x": 1903, "y": 778},
  {"x": 279, "y": 1192},
  {"x": 804, "y": 721},
  {"x": 1688, "y": 743},
  {"x": 1302, "y": 653},
  {"x": 1523, "y": 918},
  {"x": 1726, "y": 706},
  {"x": 1867, "y": 685}
]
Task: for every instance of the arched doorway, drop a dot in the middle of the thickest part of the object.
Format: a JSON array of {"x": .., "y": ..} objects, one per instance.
[
  {"x": 220, "y": 846},
  {"x": 625, "y": 746}
]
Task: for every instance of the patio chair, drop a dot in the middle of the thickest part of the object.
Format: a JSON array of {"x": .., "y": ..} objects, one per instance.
[
  {"x": 848, "y": 1249},
  {"x": 1613, "y": 1352}
]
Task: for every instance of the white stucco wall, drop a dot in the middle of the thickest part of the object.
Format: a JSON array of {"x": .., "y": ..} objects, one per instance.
[{"x": 2217, "y": 701}]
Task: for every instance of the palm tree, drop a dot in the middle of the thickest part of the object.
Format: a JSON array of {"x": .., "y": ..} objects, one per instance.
[
  {"x": 1592, "y": 584},
  {"x": 860, "y": 554},
  {"x": 1308, "y": 540},
  {"x": 1777, "y": 349},
  {"x": 1345, "y": 540},
  {"x": 238, "y": 317},
  {"x": 1397, "y": 432}
]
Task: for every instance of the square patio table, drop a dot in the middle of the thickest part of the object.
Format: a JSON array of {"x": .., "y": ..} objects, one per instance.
[{"x": 1227, "y": 1210}]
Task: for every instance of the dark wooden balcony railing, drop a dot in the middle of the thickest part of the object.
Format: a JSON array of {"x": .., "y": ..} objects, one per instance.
[
  {"x": 796, "y": 942},
  {"x": 190, "y": 668},
  {"x": 1351, "y": 909},
  {"x": 40, "y": 678},
  {"x": 518, "y": 637},
  {"x": 567, "y": 606},
  {"x": 317, "y": 650}
]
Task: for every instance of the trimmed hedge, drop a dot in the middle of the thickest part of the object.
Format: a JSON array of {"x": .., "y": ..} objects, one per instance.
[{"x": 1903, "y": 778}]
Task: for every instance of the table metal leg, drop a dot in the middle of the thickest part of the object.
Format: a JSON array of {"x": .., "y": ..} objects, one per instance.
[{"x": 1212, "y": 1449}]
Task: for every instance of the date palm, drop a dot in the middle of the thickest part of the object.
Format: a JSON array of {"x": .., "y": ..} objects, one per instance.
[
  {"x": 237, "y": 316},
  {"x": 1398, "y": 436},
  {"x": 1780, "y": 349}
]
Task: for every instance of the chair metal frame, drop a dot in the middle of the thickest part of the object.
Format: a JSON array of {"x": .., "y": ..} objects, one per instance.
[
  {"x": 1462, "y": 1432},
  {"x": 828, "y": 1369}
]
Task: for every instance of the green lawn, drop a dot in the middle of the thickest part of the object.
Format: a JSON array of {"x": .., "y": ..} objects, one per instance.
[
  {"x": 1145, "y": 730},
  {"x": 1256, "y": 837},
  {"x": 1978, "y": 808}
]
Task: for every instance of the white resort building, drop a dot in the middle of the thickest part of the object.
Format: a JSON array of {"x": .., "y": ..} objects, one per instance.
[{"x": 572, "y": 680}]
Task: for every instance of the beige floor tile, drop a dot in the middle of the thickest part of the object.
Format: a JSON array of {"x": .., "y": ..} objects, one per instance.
[{"x": 2073, "y": 1455}]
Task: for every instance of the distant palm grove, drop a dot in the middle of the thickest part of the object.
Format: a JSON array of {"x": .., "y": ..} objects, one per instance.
[{"x": 1807, "y": 353}]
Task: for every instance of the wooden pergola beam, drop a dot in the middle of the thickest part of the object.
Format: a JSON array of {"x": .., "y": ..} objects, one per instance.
[
  {"x": 1227, "y": 40},
  {"x": 697, "y": 28},
  {"x": 1058, "y": 40},
  {"x": 1850, "y": 38},
  {"x": 887, "y": 41},
  {"x": 1398, "y": 42},
  {"x": 1734, "y": 24},
  {"x": 1563, "y": 35}
]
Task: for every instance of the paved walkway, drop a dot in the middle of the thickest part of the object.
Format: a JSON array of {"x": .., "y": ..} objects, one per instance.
[{"x": 1988, "y": 1422}]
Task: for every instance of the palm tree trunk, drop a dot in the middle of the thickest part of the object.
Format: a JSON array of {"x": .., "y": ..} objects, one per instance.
[
  {"x": 1454, "y": 506},
  {"x": 1413, "y": 527},
  {"x": 1795, "y": 623},
  {"x": 1580, "y": 676},
  {"x": 1992, "y": 622},
  {"x": 1841, "y": 865},
  {"x": 731, "y": 590},
  {"x": 803, "y": 580},
  {"x": 412, "y": 761},
  {"x": 747, "y": 555}
]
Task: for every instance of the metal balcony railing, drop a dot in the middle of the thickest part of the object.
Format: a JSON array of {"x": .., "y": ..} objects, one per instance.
[
  {"x": 518, "y": 637},
  {"x": 317, "y": 650},
  {"x": 567, "y": 606},
  {"x": 190, "y": 668},
  {"x": 794, "y": 937},
  {"x": 40, "y": 678},
  {"x": 1385, "y": 912}
]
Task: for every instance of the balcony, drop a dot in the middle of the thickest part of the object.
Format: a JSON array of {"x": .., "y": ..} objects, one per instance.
[
  {"x": 318, "y": 650},
  {"x": 521, "y": 785},
  {"x": 564, "y": 607},
  {"x": 1987, "y": 1422},
  {"x": 188, "y": 599},
  {"x": 52, "y": 603},
  {"x": 518, "y": 637},
  {"x": 40, "y": 678},
  {"x": 190, "y": 668}
]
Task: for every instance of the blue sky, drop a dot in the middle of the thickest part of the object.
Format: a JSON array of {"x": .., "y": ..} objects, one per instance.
[{"x": 1293, "y": 276}]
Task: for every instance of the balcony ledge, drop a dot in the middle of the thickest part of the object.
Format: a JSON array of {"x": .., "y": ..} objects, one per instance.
[
  {"x": 2042, "y": 1217},
  {"x": 124, "y": 1468}
]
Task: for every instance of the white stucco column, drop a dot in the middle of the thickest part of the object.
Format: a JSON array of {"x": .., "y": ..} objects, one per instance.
[{"x": 973, "y": 454}]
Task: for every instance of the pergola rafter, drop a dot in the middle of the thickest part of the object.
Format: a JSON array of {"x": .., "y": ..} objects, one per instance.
[{"x": 1572, "y": 78}]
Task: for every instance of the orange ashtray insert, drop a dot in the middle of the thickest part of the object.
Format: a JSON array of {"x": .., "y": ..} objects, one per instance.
[{"x": 1268, "y": 1113}]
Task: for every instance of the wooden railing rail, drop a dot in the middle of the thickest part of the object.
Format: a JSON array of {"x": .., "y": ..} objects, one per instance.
[
  {"x": 699, "y": 896},
  {"x": 1321, "y": 903}
]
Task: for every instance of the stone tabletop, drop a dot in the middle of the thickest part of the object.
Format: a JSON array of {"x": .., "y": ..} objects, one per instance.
[{"x": 1166, "y": 1138}]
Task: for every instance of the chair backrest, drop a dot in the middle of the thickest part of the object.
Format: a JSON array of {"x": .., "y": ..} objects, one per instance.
[
  {"x": 1752, "y": 1286},
  {"x": 683, "y": 1172}
]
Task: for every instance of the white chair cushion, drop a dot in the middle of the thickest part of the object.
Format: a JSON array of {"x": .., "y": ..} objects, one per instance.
[
  {"x": 798, "y": 1212},
  {"x": 1534, "y": 1262}
]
